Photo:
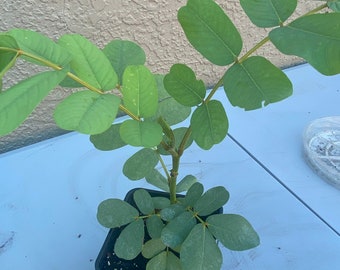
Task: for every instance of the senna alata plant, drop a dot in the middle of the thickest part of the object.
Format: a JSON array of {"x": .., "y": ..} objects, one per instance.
[{"x": 182, "y": 231}]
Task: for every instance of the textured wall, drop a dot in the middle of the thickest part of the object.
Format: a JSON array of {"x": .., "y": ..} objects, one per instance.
[{"x": 151, "y": 23}]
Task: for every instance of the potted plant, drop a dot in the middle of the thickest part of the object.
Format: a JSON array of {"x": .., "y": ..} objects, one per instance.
[{"x": 170, "y": 231}]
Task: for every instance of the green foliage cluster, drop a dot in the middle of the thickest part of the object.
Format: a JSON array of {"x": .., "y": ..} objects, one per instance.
[
  {"x": 115, "y": 79},
  {"x": 191, "y": 228}
]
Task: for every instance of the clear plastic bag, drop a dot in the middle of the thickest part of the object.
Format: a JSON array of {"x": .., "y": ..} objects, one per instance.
[{"x": 322, "y": 148}]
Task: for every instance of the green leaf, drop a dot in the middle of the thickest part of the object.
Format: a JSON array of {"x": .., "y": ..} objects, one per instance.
[
  {"x": 8, "y": 53},
  {"x": 113, "y": 213},
  {"x": 138, "y": 133},
  {"x": 8, "y": 42},
  {"x": 70, "y": 83},
  {"x": 234, "y": 231},
  {"x": 210, "y": 31},
  {"x": 182, "y": 85},
  {"x": 152, "y": 248},
  {"x": 186, "y": 183},
  {"x": 140, "y": 164},
  {"x": 179, "y": 135},
  {"x": 268, "y": 13},
  {"x": 200, "y": 251},
  {"x": 130, "y": 241},
  {"x": 194, "y": 193},
  {"x": 173, "y": 262},
  {"x": 160, "y": 202},
  {"x": 256, "y": 82},
  {"x": 316, "y": 38},
  {"x": 334, "y": 5},
  {"x": 87, "y": 112},
  {"x": 154, "y": 225},
  {"x": 211, "y": 200},
  {"x": 158, "y": 262},
  {"x": 140, "y": 93},
  {"x": 175, "y": 232},
  {"x": 144, "y": 201},
  {"x": 209, "y": 124},
  {"x": 40, "y": 46},
  {"x": 172, "y": 211},
  {"x": 17, "y": 102},
  {"x": 172, "y": 111},
  {"x": 89, "y": 62},
  {"x": 155, "y": 178},
  {"x": 109, "y": 139},
  {"x": 168, "y": 108},
  {"x": 124, "y": 53},
  {"x": 164, "y": 261}
]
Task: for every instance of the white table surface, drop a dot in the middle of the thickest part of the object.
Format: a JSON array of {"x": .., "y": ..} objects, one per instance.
[
  {"x": 49, "y": 192},
  {"x": 274, "y": 137}
]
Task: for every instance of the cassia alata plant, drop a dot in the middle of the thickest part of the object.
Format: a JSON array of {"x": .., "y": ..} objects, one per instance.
[{"x": 116, "y": 79}]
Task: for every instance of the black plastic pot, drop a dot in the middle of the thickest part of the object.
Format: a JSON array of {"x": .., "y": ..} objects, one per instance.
[{"x": 107, "y": 260}]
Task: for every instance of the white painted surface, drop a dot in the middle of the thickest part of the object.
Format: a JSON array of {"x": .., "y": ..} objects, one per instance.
[
  {"x": 274, "y": 137},
  {"x": 50, "y": 191}
]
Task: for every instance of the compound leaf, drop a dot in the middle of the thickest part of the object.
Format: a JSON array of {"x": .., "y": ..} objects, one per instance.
[
  {"x": 7, "y": 55},
  {"x": 268, "y": 13},
  {"x": 130, "y": 241},
  {"x": 194, "y": 193},
  {"x": 201, "y": 246},
  {"x": 234, "y": 231},
  {"x": 168, "y": 108},
  {"x": 141, "y": 133},
  {"x": 153, "y": 247},
  {"x": 316, "y": 38},
  {"x": 140, "y": 92},
  {"x": 89, "y": 63},
  {"x": 177, "y": 230},
  {"x": 109, "y": 139},
  {"x": 186, "y": 183},
  {"x": 18, "y": 102},
  {"x": 255, "y": 82},
  {"x": 210, "y": 31},
  {"x": 155, "y": 178},
  {"x": 40, "y": 46},
  {"x": 211, "y": 200},
  {"x": 124, "y": 53},
  {"x": 144, "y": 201},
  {"x": 182, "y": 85},
  {"x": 140, "y": 164},
  {"x": 87, "y": 112},
  {"x": 154, "y": 225},
  {"x": 209, "y": 124},
  {"x": 114, "y": 213}
]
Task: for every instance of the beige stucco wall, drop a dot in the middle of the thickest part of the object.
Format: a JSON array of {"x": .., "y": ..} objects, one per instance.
[{"x": 151, "y": 23}]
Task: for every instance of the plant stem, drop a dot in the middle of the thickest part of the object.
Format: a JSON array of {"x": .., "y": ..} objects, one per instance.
[
  {"x": 85, "y": 84},
  {"x": 213, "y": 91},
  {"x": 173, "y": 178},
  {"x": 163, "y": 166},
  {"x": 254, "y": 49},
  {"x": 126, "y": 111},
  {"x": 167, "y": 130},
  {"x": 41, "y": 60},
  {"x": 315, "y": 10},
  {"x": 184, "y": 141},
  {"x": 69, "y": 74}
]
